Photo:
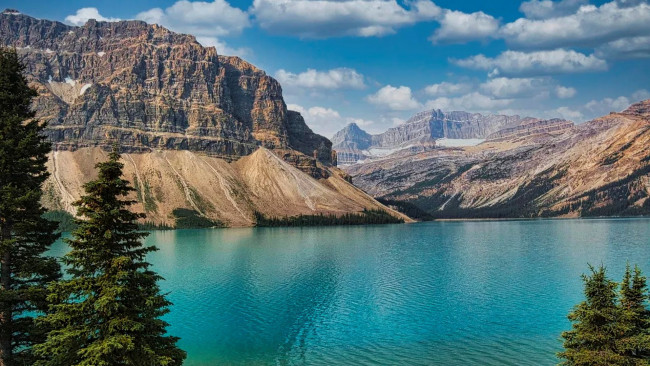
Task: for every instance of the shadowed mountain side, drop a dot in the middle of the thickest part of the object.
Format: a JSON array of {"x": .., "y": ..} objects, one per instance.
[{"x": 601, "y": 167}]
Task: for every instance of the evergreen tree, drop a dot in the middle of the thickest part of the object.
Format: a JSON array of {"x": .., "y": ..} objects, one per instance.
[
  {"x": 635, "y": 318},
  {"x": 596, "y": 328},
  {"x": 24, "y": 234},
  {"x": 108, "y": 312}
]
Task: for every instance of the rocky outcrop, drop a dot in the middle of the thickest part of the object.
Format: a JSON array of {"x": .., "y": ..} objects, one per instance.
[
  {"x": 201, "y": 133},
  {"x": 423, "y": 129},
  {"x": 150, "y": 88},
  {"x": 351, "y": 144},
  {"x": 536, "y": 169},
  {"x": 532, "y": 127}
]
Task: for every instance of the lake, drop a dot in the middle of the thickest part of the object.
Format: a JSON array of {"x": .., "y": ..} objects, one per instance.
[{"x": 439, "y": 293}]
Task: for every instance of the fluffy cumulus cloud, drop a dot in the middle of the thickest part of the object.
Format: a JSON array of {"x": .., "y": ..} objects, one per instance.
[
  {"x": 502, "y": 87},
  {"x": 570, "y": 114},
  {"x": 588, "y": 26},
  {"x": 394, "y": 98},
  {"x": 563, "y": 92},
  {"x": 222, "y": 47},
  {"x": 84, "y": 14},
  {"x": 544, "y": 9},
  {"x": 326, "y": 121},
  {"x": 633, "y": 47},
  {"x": 339, "y": 78},
  {"x": 203, "y": 19},
  {"x": 517, "y": 63},
  {"x": 331, "y": 18},
  {"x": 207, "y": 19},
  {"x": 446, "y": 88},
  {"x": 459, "y": 27},
  {"x": 473, "y": 102},
  {"x": 596, "y": 108}
]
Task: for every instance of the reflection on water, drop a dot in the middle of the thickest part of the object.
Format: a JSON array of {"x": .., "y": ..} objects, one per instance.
[{"x": 470, "y": 293}]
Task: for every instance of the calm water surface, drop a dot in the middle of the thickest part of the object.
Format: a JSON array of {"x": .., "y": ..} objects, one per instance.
[{"x": 443, "y": 293}]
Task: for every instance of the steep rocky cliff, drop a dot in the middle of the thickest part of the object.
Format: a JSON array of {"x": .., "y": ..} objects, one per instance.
[
  {"x": 601, "y": 167},
  {"x": 201, "y": 134},
  {"x": 424, "y": 128},
  {"x": 151, "y": 88}
]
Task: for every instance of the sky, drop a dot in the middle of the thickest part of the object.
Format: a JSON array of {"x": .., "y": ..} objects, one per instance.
[{"x": 378, "y": 62}]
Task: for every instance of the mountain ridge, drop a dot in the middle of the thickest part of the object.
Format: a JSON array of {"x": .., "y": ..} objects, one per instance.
[
  {"x": 600, "y": 167},
  {"x": 199, "y": 132},
  {"x": 421, "y": 131}
]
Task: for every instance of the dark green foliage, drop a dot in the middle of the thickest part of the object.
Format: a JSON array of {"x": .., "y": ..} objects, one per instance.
[
  {"x": 108, "y": 312},
  {"x": 149, "y": 225},
  {"x": 635, "y": 318},
  {"x": 24, "y": 234},
  {"x": 407, "y": 209},
  {"x": 607, "y": 331},
  {"x": 365, "y": 217},
  {"x": 66, "y": 222},
  {"x": 620, "y": 195},
  {"x": 190, "y": 219},
  {"x": 521, "y": 205}
]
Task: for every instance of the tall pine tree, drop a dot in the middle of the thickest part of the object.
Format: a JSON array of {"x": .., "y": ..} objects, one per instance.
[
  {"x": 635, "y": 318},
  {"x": 108, "y": 312},
  {"x": 596, "y": 327},
  {"x": 24, "y": 234}
]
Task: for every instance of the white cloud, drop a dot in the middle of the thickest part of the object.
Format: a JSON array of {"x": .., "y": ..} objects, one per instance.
[
  {"x": 563, "y": 92},
  {"x": 397, "y": 121},
  {"x": 569, "y": 113},
  {"x": 639, "y": 95},
  {"x": 459, "y": 27},
  {"x": 326, "y": 121},
  {"x": 634, "y": 47},
  {"x": 84, "y": 14},
  {"x": 543, "y": 9},
  {"x": 472, "y": 102},
  {"x": 396, "y": 99},
  {"x": 222, "y": 47},
  {"x": 602, "y": 107},
  {"x": 446, "y": 89},
  {"x": 588, "y": 26},
  {"x": 516, "y": 63},
  {"x": 200, "y": 18},
  {"x": 515, "y": 87},
  {"x": 331, "y": 18},
  {"x": 339, "y": 78}
]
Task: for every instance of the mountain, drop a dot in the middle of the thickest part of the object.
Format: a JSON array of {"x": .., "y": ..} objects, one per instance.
[
  {"x": 600, "y": 167},
  {"x": 199, "y": 131},
  {"x": 423, "y": 129}
]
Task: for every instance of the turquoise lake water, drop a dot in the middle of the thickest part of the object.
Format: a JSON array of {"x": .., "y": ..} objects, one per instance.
[{"x": 441, "y": 293}]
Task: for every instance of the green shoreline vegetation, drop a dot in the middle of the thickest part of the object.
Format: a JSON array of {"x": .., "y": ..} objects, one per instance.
[{"x": 364, "y": 218}]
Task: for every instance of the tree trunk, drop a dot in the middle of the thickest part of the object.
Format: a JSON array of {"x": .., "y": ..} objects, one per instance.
[{"x": 5, "y": 307}]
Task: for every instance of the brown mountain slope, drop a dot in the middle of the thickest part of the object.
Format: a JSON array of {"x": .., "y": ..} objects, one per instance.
[
  {"x": 199, "y": 131},
  {"x": 214, "y": 188},
  {"x": 601, "y": 167}
]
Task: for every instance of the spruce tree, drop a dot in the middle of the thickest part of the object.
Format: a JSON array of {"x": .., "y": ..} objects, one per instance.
[
  {"x": 635, "y": 318},
  {"x": 108, "y": 312},
  {"x": 596, "y": 327},
  {"x": 24, "y": 235}
]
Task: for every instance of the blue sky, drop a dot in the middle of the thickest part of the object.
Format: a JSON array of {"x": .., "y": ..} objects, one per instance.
[{"x": 376, "y": 62}]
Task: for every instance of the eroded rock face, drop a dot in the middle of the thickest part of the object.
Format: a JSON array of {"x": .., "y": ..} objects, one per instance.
[
  {"x": 423, "y": 129},
  {"x": 150, "y": 88},
  {"x": 598, "y": 168}
]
